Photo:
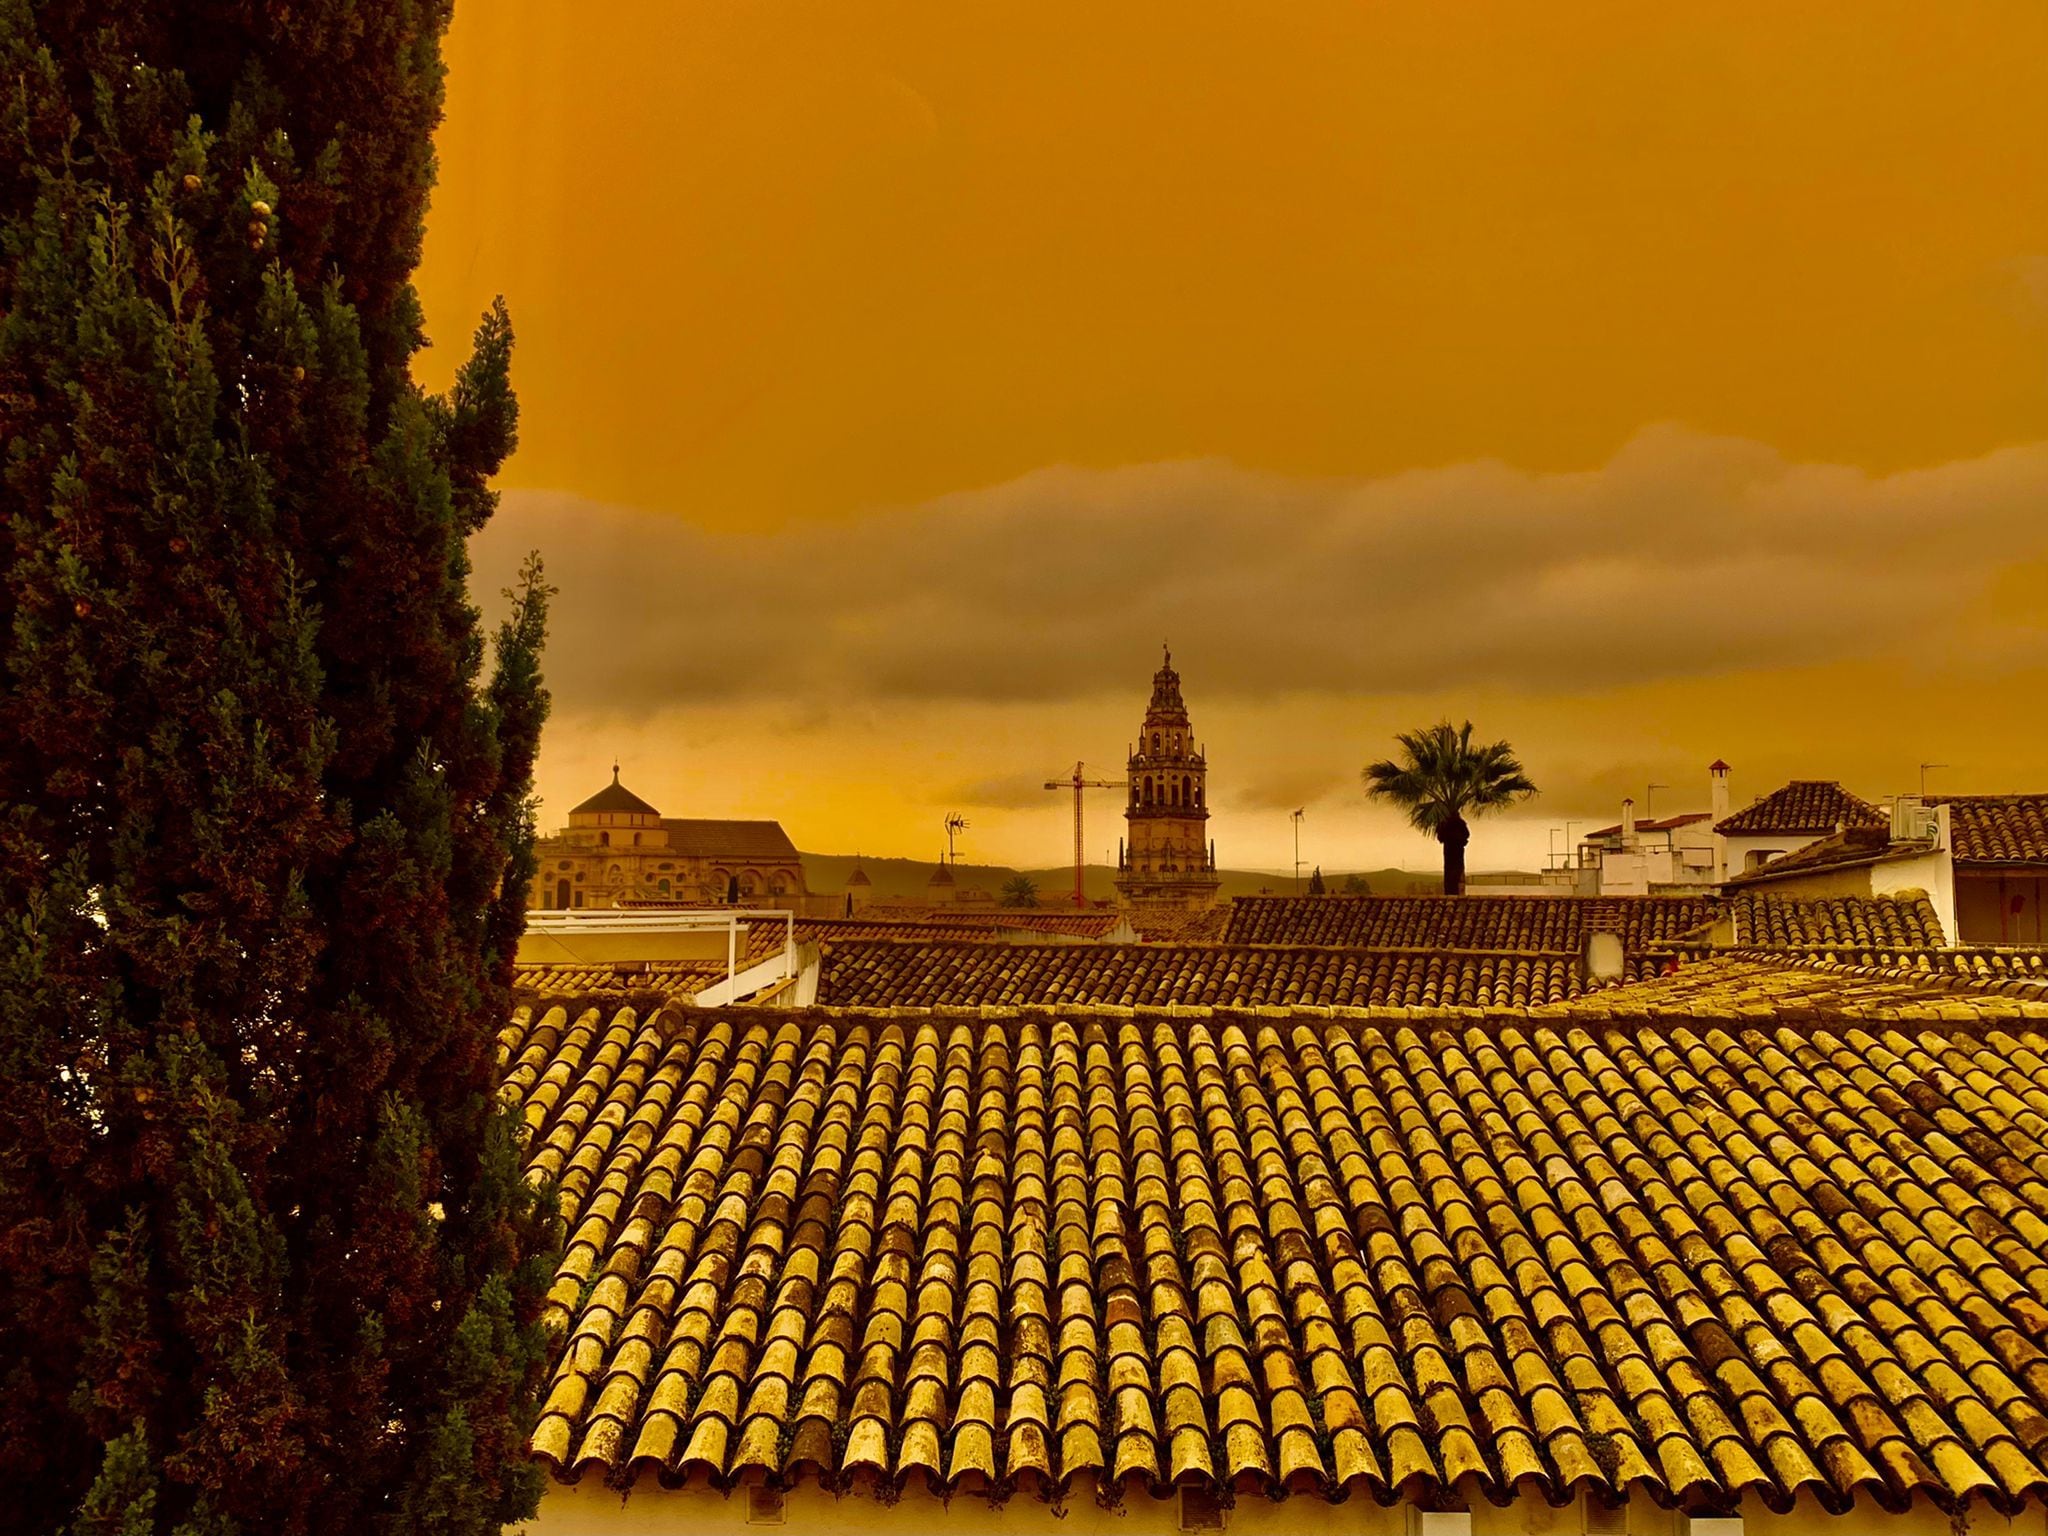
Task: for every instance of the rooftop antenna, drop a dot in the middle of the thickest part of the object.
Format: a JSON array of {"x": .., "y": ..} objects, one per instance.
[
  {"x": 955, "y": 825},
  {"x": 1650, "y": 801},
  {"x": 1923, "y": 776},
  {"x": 1296, "y": 819}
]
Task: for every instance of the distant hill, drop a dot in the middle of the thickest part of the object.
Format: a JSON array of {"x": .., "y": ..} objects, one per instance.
[{"x": 905, "y": 879}]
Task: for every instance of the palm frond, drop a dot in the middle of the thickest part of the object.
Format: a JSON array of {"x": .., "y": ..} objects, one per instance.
[{"x": 1441, "y": 776}]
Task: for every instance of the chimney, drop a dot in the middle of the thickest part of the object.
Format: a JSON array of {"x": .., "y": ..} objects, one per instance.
[
  {"x": 1717, "y": 781},
  {"x": 1628, "y": 823}
]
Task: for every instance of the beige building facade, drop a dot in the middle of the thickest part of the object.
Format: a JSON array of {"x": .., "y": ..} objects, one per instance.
[{"x": 618, "y": 851}]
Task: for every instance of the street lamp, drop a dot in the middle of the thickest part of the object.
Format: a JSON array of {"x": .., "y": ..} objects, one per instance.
[{"x": 1296, "y": 819}]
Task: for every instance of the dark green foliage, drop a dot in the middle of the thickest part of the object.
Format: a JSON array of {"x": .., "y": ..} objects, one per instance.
[
  {"x": 1020, "y": 891},
  {"x": 266, "y": 1260},
  {"x": 1440, "y": 778},
  {"x": 1315, "y": 882}
]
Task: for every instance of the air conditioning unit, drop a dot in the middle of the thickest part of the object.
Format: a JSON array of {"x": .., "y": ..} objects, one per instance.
[{"x": 1914, "y": 821}]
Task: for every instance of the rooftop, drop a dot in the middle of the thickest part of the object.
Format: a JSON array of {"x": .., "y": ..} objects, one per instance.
[
  {"x": 1691, "y": 1239},
  {"x": 1997, "y": 829},
  {"x": 614, "y": 799},
  {"x": 1803, "y": 808}
]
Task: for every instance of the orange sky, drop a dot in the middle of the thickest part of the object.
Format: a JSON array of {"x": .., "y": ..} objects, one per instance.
[{"x": 892, "y": 375}]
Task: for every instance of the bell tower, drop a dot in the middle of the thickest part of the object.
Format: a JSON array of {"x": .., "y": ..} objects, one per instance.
[{"x": 1167, "y": 859}]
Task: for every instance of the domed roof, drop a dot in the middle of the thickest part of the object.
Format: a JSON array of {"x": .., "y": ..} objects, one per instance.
[{"x": 615, "y": 799}]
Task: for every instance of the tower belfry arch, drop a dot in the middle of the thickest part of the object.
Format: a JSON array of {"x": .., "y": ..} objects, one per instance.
[{"x": 1167, "y": 859}]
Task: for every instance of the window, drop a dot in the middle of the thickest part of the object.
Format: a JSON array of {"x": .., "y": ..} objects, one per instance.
[
  {"x": 604, "y": 839},
  {"x": 561, "y": 893},
  {"x": 1757, "y": 857},
  {"x": 565, "y": 864},
  {"x": 662, "y": 886},
  {"x": 1155, "y": 741},
  {"x": 636, "y": 839}
]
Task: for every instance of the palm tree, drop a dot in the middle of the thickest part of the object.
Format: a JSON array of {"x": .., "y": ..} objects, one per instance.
[
  {"x": 1441, "y": 779},
  {"x": 1020, "y": 891}
]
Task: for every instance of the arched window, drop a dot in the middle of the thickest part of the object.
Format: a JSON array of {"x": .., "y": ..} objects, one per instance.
[
  {"x": 1148, "y": 789},
  {"x": 779, "y": 886},
  {"x": 662, "y": 886},
  {"x": 636, "y": 839},
  {"x": 749, "y": 883},
  {"x": 1198, "y": 794},
  {"x": 1155, "y": 741},
  {"x": 1176, "y": 792},
  {"x": 561, "y": 893}
]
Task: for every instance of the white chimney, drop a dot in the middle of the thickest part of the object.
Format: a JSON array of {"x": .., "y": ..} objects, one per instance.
[
  {"x": 1628, "y": 823},
  {"x": 1717, "y": 782}
]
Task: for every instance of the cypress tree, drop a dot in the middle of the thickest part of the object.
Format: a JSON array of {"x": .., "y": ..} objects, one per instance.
[{"x": 267, "y": 1263}]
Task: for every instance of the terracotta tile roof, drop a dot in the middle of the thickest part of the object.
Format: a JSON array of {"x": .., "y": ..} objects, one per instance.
[
  {"x": 1849, "y": 848},
  {"x": 1205, "y": 975},
  {"x": 1997, "y": 829},
  {"x": 1090, "y": 924},
  {"x": 1555, "y": 924},
  {"x": 1161, "y": 927},
  {"x": 1837, "y": 984},
  {"x": 615, "y": 798},
  {"x": 890, "y": 930},
  {"x": 1803, "y": 808},
  {"x": 1661, "y": 824},
  {"x": 1890, "y": 922},
  {"x": 670, "y": 978},
  {"x": 708, "y": 839},
  {"x": 1689, "y": 1258}
]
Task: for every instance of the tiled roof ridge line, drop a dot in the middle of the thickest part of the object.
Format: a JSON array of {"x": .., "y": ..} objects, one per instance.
[
  {"x": 1956, "y": 1005},
  {"x": 2020, "y": 988}
]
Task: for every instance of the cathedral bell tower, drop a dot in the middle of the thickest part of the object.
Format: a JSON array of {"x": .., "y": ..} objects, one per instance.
[{"x": 1167, "y": 859}]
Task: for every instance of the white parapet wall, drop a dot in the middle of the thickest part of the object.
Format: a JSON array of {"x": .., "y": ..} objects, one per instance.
[{"x": 592, "y": 1509}]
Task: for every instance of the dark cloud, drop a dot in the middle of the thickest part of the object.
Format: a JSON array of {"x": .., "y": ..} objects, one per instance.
[{"x": 1685, "y": 556}]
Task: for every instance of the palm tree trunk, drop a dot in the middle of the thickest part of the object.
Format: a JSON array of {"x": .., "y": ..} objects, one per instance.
[{"x": 1454, "y": 835}]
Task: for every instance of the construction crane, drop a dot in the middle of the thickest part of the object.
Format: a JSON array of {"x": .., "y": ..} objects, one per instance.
[{"x": 1077, "y": 783}]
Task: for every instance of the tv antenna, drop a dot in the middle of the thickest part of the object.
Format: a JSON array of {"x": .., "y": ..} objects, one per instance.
[{"x": 955, "y": 825}]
